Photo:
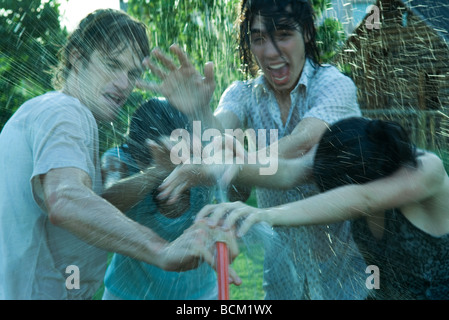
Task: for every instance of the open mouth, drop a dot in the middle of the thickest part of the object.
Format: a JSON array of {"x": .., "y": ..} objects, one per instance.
[{"x": 279, "y": 72}]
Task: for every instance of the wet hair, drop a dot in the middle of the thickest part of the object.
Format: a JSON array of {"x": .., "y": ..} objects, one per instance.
[
  {"x": 278, "y": 15},
  {"x": 358, "y": 150},
  {"x": 107, "y": 30},
  {"x": 152, "y": 120}
]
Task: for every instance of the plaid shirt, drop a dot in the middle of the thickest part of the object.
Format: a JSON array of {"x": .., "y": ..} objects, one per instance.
[{"x": 324, "y": 93}]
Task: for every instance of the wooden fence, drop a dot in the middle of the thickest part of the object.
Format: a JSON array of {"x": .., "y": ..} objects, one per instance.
[{"x": 428, "y": 129}]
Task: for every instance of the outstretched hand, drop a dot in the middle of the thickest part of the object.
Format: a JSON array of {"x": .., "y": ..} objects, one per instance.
[
  {"x": 232, "y": 215},
  {"x": 210, "y": 170},
  {"x": 184, "y": 87}
]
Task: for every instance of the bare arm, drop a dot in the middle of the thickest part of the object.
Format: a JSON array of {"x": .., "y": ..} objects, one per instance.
[
  {"x": 290, "y": 169},
  {"x": 304, "y": 137},
  {"x": 124, "y": 193},
  {"x": 289, "y": 173},
  {"x": 406, "y": 186},
  {"x": 72, "y": 205},
  {"x": 284, "y": 173}
]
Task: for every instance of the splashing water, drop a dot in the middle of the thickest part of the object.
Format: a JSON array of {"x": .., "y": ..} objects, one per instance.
[{"x": 30, "y": 36}]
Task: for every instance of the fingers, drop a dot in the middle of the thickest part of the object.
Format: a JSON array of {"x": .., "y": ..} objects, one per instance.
[
  {"x": 249, "y": 221},
  {"x": 182, "y": 56},
  {"x": 156, "y": 70},
  {"x": 174, "y": 195},
  {"x": 170, "y": 65},
  {"x": 165, "y": 60},
  {"x": 173, "y": 186},
  {"x": 168, "y": 62},
  {"x": 229, "y": 215},
  {"x": 234, "y": 277},
  {"x": 214, "y": 213}
]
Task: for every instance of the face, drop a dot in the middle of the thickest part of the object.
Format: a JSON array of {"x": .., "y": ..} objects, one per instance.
[
  {"x": 282, "y": 66},
  {"x": 106, "y": 81}
]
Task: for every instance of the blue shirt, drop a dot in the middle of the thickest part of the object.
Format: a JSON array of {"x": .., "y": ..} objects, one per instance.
[{"x": 131, "y": 279}]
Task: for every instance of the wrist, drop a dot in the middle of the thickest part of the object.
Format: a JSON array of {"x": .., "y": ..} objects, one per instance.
[
  {"x": 148, "y": 179},
  {"x": 157, "y": 254},
  {"x": 270, "y": 216}
]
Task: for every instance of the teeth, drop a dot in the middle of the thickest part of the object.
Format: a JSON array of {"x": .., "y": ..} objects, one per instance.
[
  {"x": 277, "y": 66},
  {"x": 280, "y": 79}
]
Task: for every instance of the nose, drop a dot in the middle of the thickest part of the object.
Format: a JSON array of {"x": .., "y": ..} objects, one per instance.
[
  {"x": 270, "y": 48},
  {"x": 122, "y": 80}
]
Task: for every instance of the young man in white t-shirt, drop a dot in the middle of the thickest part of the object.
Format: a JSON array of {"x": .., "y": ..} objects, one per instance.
[{"x": 55, "y": 229}]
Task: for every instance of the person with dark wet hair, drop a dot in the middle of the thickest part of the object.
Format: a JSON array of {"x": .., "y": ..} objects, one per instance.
[
  {"x": 359, "y": 151},
  {"x": 279, "y": 16},
  {"x": 395, "y": 196},
  {"x": 130, "y": 279}
]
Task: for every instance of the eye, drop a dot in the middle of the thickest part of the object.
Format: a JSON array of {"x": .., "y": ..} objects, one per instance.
[
  {"x": 283, "y": 35},
  {"x": 134, "y": 75},
  {"x": 257, "y": 39},
  {"x": 112, "y": 66}
]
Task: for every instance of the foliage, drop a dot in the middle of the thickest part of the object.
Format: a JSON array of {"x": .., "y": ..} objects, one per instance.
[
  {"x": 203, "y": 28},
  {"x": 330, "y": 36},
  {"x": 206, "y": 31},
  {"x": 30, "y": 34}
]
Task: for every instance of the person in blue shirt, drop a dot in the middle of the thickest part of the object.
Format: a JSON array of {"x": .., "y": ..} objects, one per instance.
[{"x": 130, "y": 178}]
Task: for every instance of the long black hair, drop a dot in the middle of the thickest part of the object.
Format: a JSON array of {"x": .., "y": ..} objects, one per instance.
[
  {"x": 359, "y": 150},
  {"x": 277, "y": 14}
]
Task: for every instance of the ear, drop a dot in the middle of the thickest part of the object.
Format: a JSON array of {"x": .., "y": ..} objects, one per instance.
[
  {"x": 306, "y": 37},
  {"x": 75, "y": 59}
]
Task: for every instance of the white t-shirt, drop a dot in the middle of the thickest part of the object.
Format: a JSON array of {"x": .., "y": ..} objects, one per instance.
[{"x": 39, "y": 260}]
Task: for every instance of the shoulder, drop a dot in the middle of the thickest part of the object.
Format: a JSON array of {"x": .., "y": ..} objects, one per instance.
[
  {"x": 330, "y": 74},
  {"x": 57, "y": 106},
  {"x": 432, "y": 168},
  {"x": 329, "y": 85},
  {"x": 422, "y": 182},
  {"x": 239, "y": 86}
]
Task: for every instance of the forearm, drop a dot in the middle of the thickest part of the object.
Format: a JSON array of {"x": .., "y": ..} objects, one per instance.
[
  {"x": 126, "y": 193},
  {"x": 97, "y": 222},
  {"x": 304, "y": 137},
  {"x": 339, "y": 205},
  {"x": 289, "y": 173}
]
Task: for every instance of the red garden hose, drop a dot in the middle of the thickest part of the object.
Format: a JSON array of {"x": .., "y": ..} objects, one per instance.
[{"x": 222, "y": 270}]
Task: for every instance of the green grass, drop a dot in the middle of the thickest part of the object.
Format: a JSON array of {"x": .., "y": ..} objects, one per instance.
[{"x": 249, "y": 267}]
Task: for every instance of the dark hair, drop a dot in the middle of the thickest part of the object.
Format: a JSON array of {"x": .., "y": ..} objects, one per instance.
[
  {"x": 107, "y": 30},
  {"x": 278, "y": 14},
  {"x": 153, "y": 119},
  {"x": 359, "y": 150}
]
